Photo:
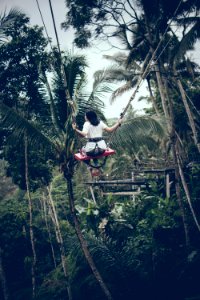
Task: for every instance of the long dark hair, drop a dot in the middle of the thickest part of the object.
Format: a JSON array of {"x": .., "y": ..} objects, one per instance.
[{"x": 92, "y": 117}]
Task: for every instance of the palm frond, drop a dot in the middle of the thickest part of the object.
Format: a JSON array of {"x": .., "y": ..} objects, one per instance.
[
  {"x": 137, "y": 133},
  {"x": 147, "y": 124},
  {"x": 54, "y": 115},
  {"x": 120, "y": 91},
  {"x": 115, "y": 74},
  {"x": 187, "y": 21},
  {"x": 18, "y": 125},
  {"x": 133, "y": 143},
  {"x": 121, "y": 34},
  {"x": 119, "y": 58},
  {"x": 68, "y": 87},
  {"x": 139, "y": 48},
  {"x": 120, "y": 72},
  {"x": 95, "y": 99},
  {"x": 74, "y": 69},
  {"x": 123, "y": 89},
  {"x": 6, "y": 20},
  {"x": 101, "y": 87},
  {"x": 79, "y": 86},
  {"x": 188, "y": 41}
]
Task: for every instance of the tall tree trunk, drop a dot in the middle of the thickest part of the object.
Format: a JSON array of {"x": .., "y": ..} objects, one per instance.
[
  {"x": 152, "y": 97},
  {"x": 187, "y": 193},
  {"x": 59, "y": 240},
  {"x": 30, "y": 221},
  {"x": 49, "y": 231},
  {"x": 188, "y": 111},
  {"x": 179, "y": 198},
  {"x": 165, "y": 105},
  {"x": 168, "y": 112},
  {"x": 177, "y": 156},
  {"x": 169, "y": 116},
  {"x": 83, "y": 243},
  {"x": 3, "y": 279}
]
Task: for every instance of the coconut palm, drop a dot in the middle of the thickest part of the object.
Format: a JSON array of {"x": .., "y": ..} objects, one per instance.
[
  {"x": 152, "y": 30},
  {"x": 47, "y": 125},
  {"x": 167, "y": 104},
  {"x": 6, "y": 21},
  {"x": 58, "y": 137}
]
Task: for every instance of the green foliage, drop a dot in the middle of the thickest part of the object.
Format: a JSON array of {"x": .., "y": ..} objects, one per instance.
[
  {"x": 19, "y": 72},
  {"x": 39, "y": 168},
  {"x": 14, "y": 245},
  {"x": 140, "y": 134},
  {"x": 54, "y": 286},
  {"x": 137, "y": 243},
  {"x": 6, "y": 21}
]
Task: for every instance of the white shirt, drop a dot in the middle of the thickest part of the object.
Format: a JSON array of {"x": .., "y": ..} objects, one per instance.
[{"x": 94, "y": 131}]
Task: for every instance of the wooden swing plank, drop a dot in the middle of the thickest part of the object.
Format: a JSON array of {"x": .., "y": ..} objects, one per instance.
[
  {"x": 80, "y": 156},
  {"x": 118, "y": 182},
  {"x": 122, "y": 193}
]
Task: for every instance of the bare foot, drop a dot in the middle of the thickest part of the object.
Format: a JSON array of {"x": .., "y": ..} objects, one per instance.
[{"x": 95, "y": 172}]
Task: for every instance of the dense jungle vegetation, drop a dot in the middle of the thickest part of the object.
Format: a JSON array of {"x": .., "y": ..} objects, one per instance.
[{"x": 57, "y": 239}]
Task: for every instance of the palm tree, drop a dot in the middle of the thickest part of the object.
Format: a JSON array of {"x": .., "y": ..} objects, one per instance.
[
  {"x": 6, "y": 21},
  {"x": 30, "y": 204},
  {"x": 59, "y": 138},
  {"x": 127, "y": 70},
  {"x": 160, "y": 69},
  {"x": 186, "y": 43},
  {"x": 150, "y": 31},
  {"x": 54, "y": 134}
]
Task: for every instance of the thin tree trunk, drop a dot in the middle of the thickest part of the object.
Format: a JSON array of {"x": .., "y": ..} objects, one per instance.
[
  {"x": 30, "y": 222},
  {"x": 188, "y": 111},
  {"x": 185, "y": 187},
  {"x": 179, "y": 198},
  {"x": 59, "y": 240},
  {"x": 3, "y": 279},
  {"x": 83, "y": 243},
  {"x": 163, "y": 98},
  {"x": 49, "y": 232},
  {"x": 153, "y": 98},
  {"x": 180, "y": 172},
  {"x": 169, "y": 116},
  {"x": 57, "y": 230}
]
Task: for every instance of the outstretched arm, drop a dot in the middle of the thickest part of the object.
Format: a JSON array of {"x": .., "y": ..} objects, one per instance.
[
  {"x": 114, "y": 127},
  {"x": 81, "y": 133}
]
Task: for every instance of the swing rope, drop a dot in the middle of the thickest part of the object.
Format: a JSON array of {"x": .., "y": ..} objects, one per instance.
[
  {"x": 69, "y": 100},
  {"x": 54, "y": 26},
  {"x": 145, "y": 70},
  {"x": 49, "y": 40}
]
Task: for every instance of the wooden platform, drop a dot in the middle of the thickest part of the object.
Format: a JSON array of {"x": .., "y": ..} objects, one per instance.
[
  {"x": 129, "y": 193},
  {"x": 118, "y": 182}
]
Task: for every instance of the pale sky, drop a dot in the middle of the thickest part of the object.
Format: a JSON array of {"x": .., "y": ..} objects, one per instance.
[{"x": 93, "y": 55}]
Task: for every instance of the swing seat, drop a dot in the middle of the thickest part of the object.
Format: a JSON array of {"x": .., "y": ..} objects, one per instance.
[{"x": 82, "y": 157}]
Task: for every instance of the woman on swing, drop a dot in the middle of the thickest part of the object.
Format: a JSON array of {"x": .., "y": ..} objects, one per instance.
[{"x": 93, "y": 130}]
